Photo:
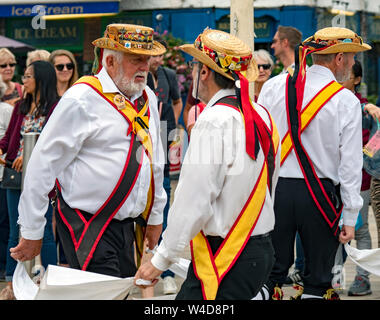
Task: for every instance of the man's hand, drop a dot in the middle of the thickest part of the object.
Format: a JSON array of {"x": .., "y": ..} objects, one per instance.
[
  {"x": 347, "y": 234},
  {"x": 147, "y": 272},
  {"x": 26, "y": 249},
  {"x": 152, "y": 235}
]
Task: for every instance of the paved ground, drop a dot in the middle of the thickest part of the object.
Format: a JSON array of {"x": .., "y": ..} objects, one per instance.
[{"x": 288, "y": 291}]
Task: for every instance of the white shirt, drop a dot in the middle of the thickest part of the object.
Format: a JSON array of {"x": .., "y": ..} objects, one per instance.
[
  {"x": 333, "y": 139},
  {"x": 85, "y": 144},
  {"x": 5, "y": 116},
  {"x": 217, "y": 177}
]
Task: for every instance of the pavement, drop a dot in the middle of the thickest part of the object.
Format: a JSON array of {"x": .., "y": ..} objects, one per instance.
[{"x": 349, "y": 271}]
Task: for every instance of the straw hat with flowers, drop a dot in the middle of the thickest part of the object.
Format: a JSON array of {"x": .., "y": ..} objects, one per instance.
[
  {"x": 128, "y": 38},
  {"x": 224, "y": 53},
  {"x": 232, "y": 58},
  {"x": 335, "y": 40}
]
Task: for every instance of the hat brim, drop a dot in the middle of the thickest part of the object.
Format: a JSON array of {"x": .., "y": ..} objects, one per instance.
[
  {"x": 106, "y": 43},
  {"x": 251, "y": 73},
  {"x": 345, "y": 47}
]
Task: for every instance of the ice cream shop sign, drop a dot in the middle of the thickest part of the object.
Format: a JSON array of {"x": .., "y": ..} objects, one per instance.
[{"x": 58, "y": 8}]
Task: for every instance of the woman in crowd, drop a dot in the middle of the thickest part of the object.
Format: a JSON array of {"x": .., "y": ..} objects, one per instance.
[
  {"x": 66, "y": 68},
  {"x": 29, "y": 115},
  {"x": 5, "y": 115},
  {"x": 13, "y": 93},
  {"x": 37, "y": 55},
  {"x": 265, "y": 65}
]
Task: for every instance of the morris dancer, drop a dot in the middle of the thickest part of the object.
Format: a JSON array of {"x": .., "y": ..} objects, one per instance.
[
  {"x": 102, "y": 149},
  {"x": 223, "y": 204},
  {"x": 321, "y": 159}
]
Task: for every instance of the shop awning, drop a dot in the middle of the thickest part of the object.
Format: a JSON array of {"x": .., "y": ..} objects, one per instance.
[{"x": 13, "y": 45}]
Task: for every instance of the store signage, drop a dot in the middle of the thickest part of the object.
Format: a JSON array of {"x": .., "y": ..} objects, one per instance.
[{"x": 29, "y": 10}]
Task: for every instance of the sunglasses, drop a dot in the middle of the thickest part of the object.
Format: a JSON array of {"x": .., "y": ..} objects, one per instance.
[
  {"x": 60, "y": 67},
  {"x": 264, "y": 66},
  {"x": 26, "y": 77},
  {"x": 3, "y": 66}
]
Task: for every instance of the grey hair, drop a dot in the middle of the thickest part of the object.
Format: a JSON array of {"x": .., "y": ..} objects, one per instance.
[
  {"x": 3, "y": 87},
  {"x": 117, "y": 54},
  {"x": 264, "y": 55},
  {"x": 322, "y": 58}
]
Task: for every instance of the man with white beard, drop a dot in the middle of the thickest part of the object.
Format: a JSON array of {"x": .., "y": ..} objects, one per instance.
[{"x": 102, "y": 151}]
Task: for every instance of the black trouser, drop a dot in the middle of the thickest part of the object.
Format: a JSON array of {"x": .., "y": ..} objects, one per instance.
[
  {"x": 246, "y": 277},
  {"x": 295, "y": 210},
  {"x": 114, "y": 254}
]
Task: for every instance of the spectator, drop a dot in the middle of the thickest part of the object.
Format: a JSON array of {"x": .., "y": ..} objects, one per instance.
[
  {"x": 29, "y": 115},
  {"x": 194, "y": 113},
  {"x": 265, "y": 65},
  {"x": 36, "y": 55},
  {"x": 361, "y": 285},
  {"x": 66, "y": 68},
  {"x": 164, "y": 83},
  {"x": 284, "y": 42},
  {"x": 7, "y": 71},
  {"x": 5, "y": 115},
  {"x": 190, "y": 102}
]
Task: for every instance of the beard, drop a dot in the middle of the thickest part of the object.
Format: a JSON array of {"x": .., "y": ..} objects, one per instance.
[
  {"x": 128, "y": 86},
  {"x": 344, "y": 74}
]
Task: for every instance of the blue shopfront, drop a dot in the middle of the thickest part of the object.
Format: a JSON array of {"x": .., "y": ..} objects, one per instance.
[{"x": 188, "y": 23}]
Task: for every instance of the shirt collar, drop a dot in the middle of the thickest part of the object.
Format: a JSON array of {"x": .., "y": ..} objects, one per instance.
[
  {"x": 109, "y": 86},
  {"x": 284, "y": 71},
  {"x": 221, "y": 94},
  {"x": 321, "y": 70}
]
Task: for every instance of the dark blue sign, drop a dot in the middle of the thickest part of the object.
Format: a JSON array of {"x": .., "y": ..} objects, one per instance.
[{"x": 29, "y": 10}]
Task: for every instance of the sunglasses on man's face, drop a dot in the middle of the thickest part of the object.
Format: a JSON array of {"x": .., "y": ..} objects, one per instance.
[
  {"x": 3, "y": 66},
  {"x": 264, "y": 66},
  {"x": 60, "y": 67}
]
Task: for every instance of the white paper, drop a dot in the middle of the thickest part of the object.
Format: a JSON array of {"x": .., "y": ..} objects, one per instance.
[
  {"x": 60, "y": 283},
  {"x": 368, "y": 259}
]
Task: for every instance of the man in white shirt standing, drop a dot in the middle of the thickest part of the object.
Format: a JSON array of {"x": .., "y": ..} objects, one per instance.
[
  {"x": 284, "y": 42},
  {"x": 319, "y": 123},
  {"x": 223, "y": 204},
  {"x": 103, "y": 150}
]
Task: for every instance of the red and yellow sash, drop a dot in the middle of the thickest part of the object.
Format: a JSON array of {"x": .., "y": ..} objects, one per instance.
[
  {"x": 308, "y": 114},
  {"x": 138, "y": 118},
  {"x": 210, "y": 269}
]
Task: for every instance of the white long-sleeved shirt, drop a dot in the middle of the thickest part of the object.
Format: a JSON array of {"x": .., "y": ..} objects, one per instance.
[
  {"x": 217, "y": 177},
  {"x": 333, "y": 139},
  {"x": 85, "y": 144}
]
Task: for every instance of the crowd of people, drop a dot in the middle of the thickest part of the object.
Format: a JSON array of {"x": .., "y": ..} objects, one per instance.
[{"x": 97, "y": 193}]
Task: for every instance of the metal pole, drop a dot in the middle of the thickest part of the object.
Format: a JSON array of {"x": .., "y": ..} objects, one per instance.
[{"x": 30, "y": 139}]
